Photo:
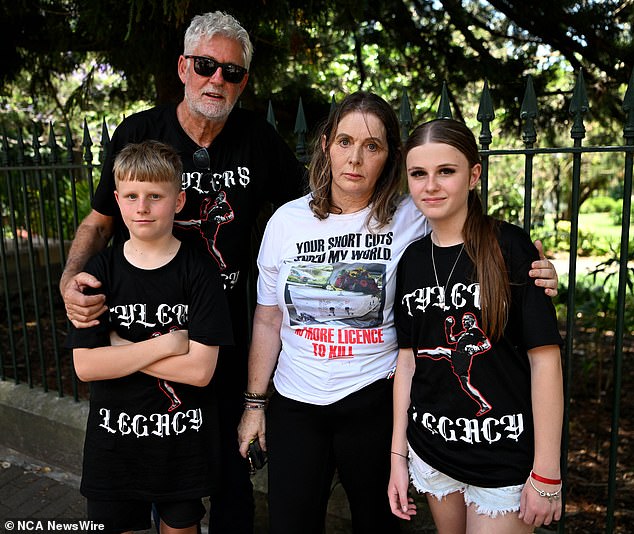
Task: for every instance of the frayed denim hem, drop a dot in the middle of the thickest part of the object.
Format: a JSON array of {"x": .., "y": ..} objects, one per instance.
[
  {"x": 426, "y": 479},
  {"x": 491, "y": 502},
  {"x": 494, "y": 502},
  {"x": 438, "y": 495},
  {"x": 481, "y": 510}
]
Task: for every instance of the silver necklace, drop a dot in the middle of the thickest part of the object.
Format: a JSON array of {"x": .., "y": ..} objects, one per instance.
[{"x": 444, "y": 289}]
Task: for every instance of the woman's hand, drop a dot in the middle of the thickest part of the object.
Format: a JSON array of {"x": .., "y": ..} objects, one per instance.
[{"x": 252, "y": 425}]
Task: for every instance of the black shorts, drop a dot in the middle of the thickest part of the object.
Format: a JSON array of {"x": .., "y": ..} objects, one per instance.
[
  {"x": 121, "y": 516},
  {"x": 461, "y": 362}
]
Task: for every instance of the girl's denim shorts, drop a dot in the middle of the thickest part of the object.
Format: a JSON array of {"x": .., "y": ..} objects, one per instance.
[{"x": 487, "y": 501}]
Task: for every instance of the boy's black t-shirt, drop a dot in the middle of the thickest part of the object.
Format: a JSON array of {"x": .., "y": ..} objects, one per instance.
[
  {"x": 148, "y": 438},
  {"x": 493, "y": 448},
  {"x": 250, "y": 165}
]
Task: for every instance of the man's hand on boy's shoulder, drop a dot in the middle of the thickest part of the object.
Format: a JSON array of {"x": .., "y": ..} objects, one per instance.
[{"x": 81, "y": 309}]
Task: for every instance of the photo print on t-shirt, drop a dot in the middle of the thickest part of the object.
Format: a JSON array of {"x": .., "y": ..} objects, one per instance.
[{"x": 340, "y": 294}]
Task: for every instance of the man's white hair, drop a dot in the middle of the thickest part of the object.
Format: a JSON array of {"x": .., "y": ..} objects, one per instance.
[{"x": 207, "y": 25}]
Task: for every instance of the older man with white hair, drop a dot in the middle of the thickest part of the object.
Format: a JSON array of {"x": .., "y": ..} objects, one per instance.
[{"x": 223, "y": 149}]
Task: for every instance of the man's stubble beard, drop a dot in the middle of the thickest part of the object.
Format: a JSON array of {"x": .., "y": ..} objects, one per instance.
[{"x": 211, "y": 111}]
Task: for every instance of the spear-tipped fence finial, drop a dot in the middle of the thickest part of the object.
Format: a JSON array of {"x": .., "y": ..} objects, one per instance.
[
  {"x": 105, "y": 140},
  {"x": 528, "y": 113},
  {"x": 405, "y": 116},
  {"x": 628, "y": 108},
  {"x": 52, "y": 143},
  {"x": 444, "y": 108},
  {"x": 270, "y": 115},
  {"x": 579, "y": 106},
  {"x": 300, "y": 131},
  {"x": 69, "y": 144},
  {"x": 87, "y": 144},
  {"x": 485, "y": 115}
]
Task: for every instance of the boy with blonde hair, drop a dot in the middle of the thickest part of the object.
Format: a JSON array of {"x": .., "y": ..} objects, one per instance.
[{"x": 152, "y": 421}]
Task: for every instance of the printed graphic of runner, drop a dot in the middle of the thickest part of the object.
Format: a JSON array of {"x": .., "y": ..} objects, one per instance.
[
  {"x": 345, "y": 294},
  {"x": 213, "y": 213},
  {"x": 466, "y": 344}
]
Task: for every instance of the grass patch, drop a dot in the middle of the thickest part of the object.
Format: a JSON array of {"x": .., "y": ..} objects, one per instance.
[{"x": 600, "y": 224}]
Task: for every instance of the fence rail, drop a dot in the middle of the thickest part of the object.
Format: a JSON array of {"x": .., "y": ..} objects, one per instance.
[{"x": 45, "y": 190}]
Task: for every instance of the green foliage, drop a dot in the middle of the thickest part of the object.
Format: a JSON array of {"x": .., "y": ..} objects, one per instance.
[
  {"x": 599, "y": 204},
  {"x": 617, "y": 218},
  {"x": 340, "y": 46},
  {"x": 595, "y": 309},
  {"x": 92, "y": 91},
  {"x": 592, "y": 244},
  {"x": 506, "y": 201},
  {"x": 609, "y": 267},
  {"x": 592, "y": 240},
  {"x": 596, "y": 297},
  {"x": 595, "y": 304},
  {"x": 48, "y": 202},
  {"x": 101, "y": 59},
  {"x": 597, "y": 292},
  {"x": 554, "y": 241}
]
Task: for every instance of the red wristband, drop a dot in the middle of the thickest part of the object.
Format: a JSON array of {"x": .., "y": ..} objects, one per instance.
[{"x": 545, "y": 480}]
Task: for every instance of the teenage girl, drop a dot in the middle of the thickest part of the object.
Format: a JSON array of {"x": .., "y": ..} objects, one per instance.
[{"x": 478, "y": 396}]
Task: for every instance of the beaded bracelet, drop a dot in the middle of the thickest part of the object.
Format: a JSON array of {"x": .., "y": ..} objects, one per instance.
[
  {"x": 551, "y": 496},
  {"x": 255, "y": 401}
]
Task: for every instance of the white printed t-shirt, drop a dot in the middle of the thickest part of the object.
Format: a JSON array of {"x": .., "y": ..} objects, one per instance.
[{"x": 334, "y": 280}]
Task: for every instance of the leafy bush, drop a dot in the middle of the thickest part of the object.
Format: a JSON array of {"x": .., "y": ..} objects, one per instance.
[
  {"x": 559, "y": 241},
  {"x": 589, "y": 242},
  {"x": 595, "y": 307},
  {"x": 600, "y": 204},
  {"x": 617, "y": 215},
  {"x": 596, "y": 296}
]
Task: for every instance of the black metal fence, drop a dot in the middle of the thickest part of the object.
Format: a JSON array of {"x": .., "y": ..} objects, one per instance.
[{"x": 45, "y": 190}]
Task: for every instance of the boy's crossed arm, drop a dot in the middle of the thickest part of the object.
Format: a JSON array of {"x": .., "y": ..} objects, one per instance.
[
  {"x": 116, "y": 361},
  {"x": 197, "y": 370}
]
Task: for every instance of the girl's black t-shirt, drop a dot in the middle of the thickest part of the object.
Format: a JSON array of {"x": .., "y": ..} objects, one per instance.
[{"x": 470, "y": 415}]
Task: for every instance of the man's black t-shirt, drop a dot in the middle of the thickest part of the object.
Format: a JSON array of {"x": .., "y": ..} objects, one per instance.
[{"x": 250, "y": 165}]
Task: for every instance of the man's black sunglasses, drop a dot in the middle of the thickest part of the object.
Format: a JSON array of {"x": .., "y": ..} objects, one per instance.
[{"x": 207, "y": 66}]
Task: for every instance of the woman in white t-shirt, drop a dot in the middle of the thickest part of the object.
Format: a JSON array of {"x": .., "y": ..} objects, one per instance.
[{"x": 324, "y": 324}]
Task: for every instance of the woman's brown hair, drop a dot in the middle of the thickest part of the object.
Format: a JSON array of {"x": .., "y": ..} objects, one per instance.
[
  {"x": 480, "y": 232},
  {"x": 389, "y": 187}
]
